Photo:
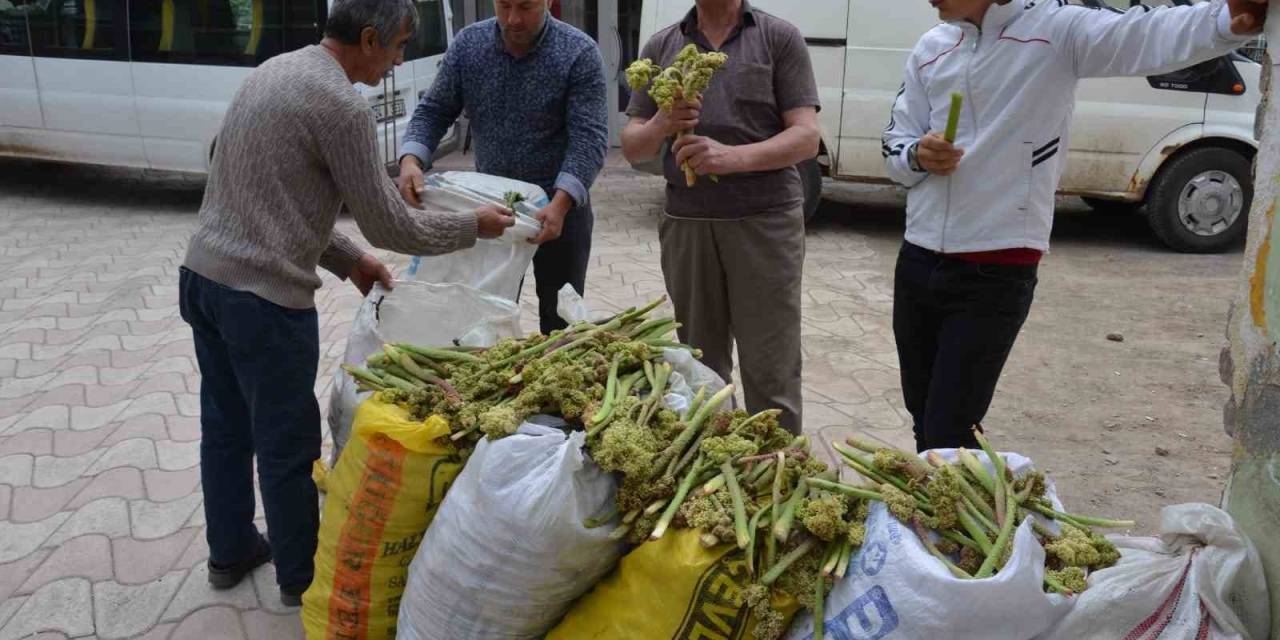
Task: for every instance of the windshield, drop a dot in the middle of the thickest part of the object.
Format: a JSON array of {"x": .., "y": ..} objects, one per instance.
[{"x": 432, "y": 36}]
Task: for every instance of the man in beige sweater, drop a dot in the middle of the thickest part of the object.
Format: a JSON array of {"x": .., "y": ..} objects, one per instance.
[{"x": 298, "y": 141}]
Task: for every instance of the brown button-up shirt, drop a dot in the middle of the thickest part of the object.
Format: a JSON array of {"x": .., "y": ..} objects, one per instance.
[{"x": 768, "y": 73}]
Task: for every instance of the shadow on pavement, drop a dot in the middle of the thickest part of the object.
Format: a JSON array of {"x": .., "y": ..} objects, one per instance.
[{"x": 105, "y": 186}]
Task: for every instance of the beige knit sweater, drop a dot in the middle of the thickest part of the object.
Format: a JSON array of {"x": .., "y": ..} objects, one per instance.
[{"x": 298, "y": 141}]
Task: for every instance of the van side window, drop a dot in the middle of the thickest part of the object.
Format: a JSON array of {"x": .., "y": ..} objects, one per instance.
[
  {"x": 222, "y": 32},
  {"x": 93, "y": 29},
  {"x": 432, "y": 36},
  {"x": 13, "y": 29}
]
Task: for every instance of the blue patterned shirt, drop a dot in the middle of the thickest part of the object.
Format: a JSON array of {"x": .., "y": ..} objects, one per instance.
[{"x": 542, "y": 118}]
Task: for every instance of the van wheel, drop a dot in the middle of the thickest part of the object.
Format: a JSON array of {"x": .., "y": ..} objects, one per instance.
[
  {"x": 811, "y": 183},
  {"x": 1111, "y": 207},
  {"x": 1199, "y": 203}
]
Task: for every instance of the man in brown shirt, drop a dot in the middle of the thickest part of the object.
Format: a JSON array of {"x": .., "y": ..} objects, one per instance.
[{"x": 733, "y": 248}]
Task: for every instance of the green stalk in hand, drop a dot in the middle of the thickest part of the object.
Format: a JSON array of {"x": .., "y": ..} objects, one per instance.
[{"x": 953, "y": 119}]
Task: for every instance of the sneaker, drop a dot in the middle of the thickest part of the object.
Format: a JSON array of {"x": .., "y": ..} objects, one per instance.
[
  {"x": 291, "y": 596},
  {"x": 226, "y": 577}
]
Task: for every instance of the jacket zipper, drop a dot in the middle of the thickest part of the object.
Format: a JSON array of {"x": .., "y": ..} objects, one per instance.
[{"x": 968, "y": 96}]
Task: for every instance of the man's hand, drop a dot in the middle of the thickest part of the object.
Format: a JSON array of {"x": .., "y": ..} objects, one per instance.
[
  {"x": 706, "y": 156},
  {"x": 937, "y": 156},
  {"x": 1247, "y": 16},
  {"x": 368, "y": 271},
  {"x": 410, "y": 180},
  {"x": 683, "y": 117},
  {"x": 492, "y": 220},
  {"x": 552, "y": 219}
]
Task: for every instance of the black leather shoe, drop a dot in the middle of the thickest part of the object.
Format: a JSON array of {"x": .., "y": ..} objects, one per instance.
[
  {"x": 221, "y": 577},
  {"x": 291, "y": 596}
]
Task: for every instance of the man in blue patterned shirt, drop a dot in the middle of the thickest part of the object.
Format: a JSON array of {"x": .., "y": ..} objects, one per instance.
[{"x": 534, "y": 90}]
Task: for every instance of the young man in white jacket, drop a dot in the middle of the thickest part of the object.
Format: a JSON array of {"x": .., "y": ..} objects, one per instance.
[{"x": 979, "y": 212}]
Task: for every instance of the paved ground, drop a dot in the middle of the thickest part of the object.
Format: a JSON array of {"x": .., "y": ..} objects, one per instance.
[{"x": 101, "y": 526}]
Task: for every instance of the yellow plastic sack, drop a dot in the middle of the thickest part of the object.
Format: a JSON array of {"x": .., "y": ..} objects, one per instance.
[
  {"x": 319, "y": 473},
  {"x": 381, "y": 496},
  {"x": 668, "y": 589}
]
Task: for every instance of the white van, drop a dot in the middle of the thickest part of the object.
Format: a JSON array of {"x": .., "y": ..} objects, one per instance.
[
  {"x": 1182, "y": 144},
  {"x": 145, "y": 83}
]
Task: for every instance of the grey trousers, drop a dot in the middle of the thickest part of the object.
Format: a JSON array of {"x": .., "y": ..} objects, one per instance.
[{"x": 739, "y": 280}]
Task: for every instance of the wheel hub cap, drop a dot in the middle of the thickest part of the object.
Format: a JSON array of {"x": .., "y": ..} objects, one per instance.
[{"x": 1210, "y": 203}]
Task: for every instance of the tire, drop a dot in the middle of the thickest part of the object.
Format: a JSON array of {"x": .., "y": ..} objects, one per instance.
[
  {"x": 811, "y": 183},
  {"x": 1199, "y": 202},
  {"x": 1111, "y": 207}
]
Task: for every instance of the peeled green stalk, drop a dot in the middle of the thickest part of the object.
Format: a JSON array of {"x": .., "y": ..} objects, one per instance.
[
  {"x": 672, "y": 455},
  {"x": 752, "y": 528},
  {"x": 989, "y": 565},
  {"x": 782, "y": 528},
  {"x": 739, "y": 505},
  {"x": 933, "y": 550},
  {"x": 787, "y": 560},
  {"x": 681, "y": 492},
  {"x": 780, "y": 472},
  {"x": 953, "y": 118},
  {"x": 606, "y": 409},
  {"x": 819, "y": 604}
]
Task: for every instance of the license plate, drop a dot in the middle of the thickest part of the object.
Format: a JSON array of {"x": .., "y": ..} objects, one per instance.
[{"x": 380, "y": 111}]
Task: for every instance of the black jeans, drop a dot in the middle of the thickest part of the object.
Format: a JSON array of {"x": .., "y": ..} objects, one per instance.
[
  {"x": 955, "y": 323},
  {"x": 257, "y": 397},
  {"x": 563, "y": 261}
]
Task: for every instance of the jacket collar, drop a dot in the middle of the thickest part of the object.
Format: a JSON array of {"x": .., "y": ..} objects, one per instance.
[{"x": 997, "y": 18}]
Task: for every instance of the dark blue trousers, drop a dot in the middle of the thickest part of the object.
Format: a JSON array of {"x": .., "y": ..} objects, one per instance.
[
  {"x": 258, "y": 365},
  {"x": 955, "y": 323}
]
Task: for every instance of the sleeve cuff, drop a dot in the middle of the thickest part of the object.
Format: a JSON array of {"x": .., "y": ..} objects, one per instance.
[
  {"x": 341, "y": 256},
  {"x": 571, "y": 185},
  {"x": 1224, "y": 26},
  {"x": 418, "y": 150}
]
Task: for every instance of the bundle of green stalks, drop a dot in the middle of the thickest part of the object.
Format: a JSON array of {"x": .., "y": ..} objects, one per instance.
[
  {"x": 966, "y": 514},
  {"x": 572, "y": 373}
]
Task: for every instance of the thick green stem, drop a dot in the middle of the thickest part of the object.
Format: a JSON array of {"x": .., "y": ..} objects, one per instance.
[
  {"x": 752, "y": 529},
  {"x": 698, "y": 399},
  {"x": 979, "y": 471},
  {"x": 440, "y": 355},
  {"x": 975, "y": 530},
  {"x": 787, "y": 560},
  {"x": 1006, "y": 531},
  {"x": 856, "y": 492},
  {"x": 682, "y": 491},
  {"x": 365, "y": 375},
  {"x": 782, "y": 528},
  {"x": 775, "y": 503},
  {"x": 845, "y": 555},
  {"x": 739, "y": 504},
  {"x": 611, "y": 386},
  {"x": 819, "y": 606},
  {"x": 671, "y": 456}
]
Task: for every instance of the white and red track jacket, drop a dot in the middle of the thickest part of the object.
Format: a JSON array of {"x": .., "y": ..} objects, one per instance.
[{"x": 1018, "y": 75}]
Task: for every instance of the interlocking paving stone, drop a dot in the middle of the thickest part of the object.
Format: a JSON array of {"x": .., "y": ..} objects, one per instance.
[
  {"x": 152, "y": 520},
  {"x": 16, "y": 469},
  {"x": 177, "y": 456},
  {"x": 264, "y": 625},
  {"x": 87, "y": 557},
  {"x": 213, "y": 623},
  {"x": 13, "y": 574},
  {"x": 196, "y": 593},
  {"x": 125, "y": 482},
  {"x": 138, "y": 453},
  {"x": 126, "y": 611},
  {"x": 33, "y": 505},
  {"x": 163, "y": 486},
  {"x": 139, "y": 561},
  {"x": 53, "y": 471},
  {"x": 106, "y": 516},
  {"x": 65, "y": 606}
]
